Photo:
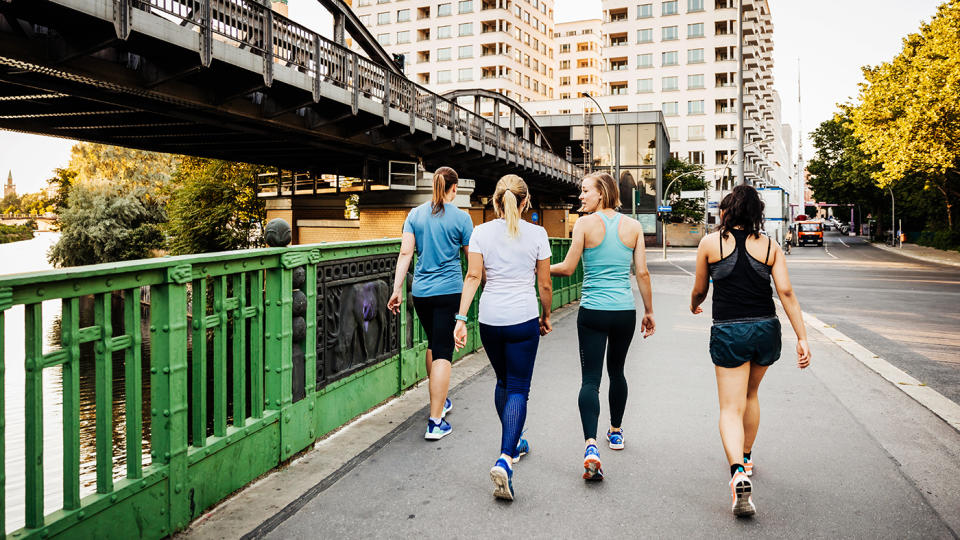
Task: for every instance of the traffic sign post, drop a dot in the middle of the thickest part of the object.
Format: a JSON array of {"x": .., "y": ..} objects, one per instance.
[{"x": 664, "y": 209}]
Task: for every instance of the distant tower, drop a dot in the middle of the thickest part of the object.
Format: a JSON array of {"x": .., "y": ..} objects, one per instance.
[{"x": 9, "y": 189}]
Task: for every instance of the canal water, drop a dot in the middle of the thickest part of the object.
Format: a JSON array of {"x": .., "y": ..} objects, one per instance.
[{"x": 30, "y": 256}]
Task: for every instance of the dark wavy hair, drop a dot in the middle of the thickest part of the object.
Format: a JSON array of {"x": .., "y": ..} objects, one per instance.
[{"x": 742, "y": 208}]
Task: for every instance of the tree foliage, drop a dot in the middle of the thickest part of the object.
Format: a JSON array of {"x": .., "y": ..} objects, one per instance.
[
  {"x": 30, "y": 204},
  {"x": 105, "y": 222},
  {"x": 98, "y": 163},
  {"x": 688, "y": 177},
  {"x": 908, "y": 119},
  {"x": 61, "y": 181},
  {"x": 215, "y": 207}
]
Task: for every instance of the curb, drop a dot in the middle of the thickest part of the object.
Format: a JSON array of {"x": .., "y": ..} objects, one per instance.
[
  {"x": 915, "y": 256},
  {"x": 936, "y": 402}
]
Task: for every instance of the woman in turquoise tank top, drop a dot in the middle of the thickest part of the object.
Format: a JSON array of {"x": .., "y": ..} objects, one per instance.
[{"x": 609, "y": 243}]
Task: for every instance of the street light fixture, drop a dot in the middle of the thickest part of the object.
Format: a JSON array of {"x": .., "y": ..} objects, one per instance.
[
  {"x": 605, "y": 125},
  {"x": 663, "y": 202}
]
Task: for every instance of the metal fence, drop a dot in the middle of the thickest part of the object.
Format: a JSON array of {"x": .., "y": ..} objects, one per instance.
[
  {"x": 249, "y": 24},
  {"x": 238, "y": 361}
]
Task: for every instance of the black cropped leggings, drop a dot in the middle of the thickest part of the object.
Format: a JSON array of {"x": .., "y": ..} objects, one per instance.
[{"x": 599, "y": 330}]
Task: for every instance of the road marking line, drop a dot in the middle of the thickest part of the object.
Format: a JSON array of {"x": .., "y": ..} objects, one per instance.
[
  {"x": 936, "y": 402},
  {"x": 827, "y": 251},
  {"x": 842, "y": 242},
  {"x": 685, "y": 271}
]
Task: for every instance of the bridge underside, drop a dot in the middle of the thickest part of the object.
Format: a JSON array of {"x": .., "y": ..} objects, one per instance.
[{"x": 65, "y": 73}]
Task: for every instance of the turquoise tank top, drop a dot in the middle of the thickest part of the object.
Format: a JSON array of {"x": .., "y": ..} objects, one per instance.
[{"x": 606, "y": 271}]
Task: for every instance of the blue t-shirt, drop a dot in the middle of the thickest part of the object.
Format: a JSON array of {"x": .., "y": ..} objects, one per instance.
[{"x": 439, "y": 241}]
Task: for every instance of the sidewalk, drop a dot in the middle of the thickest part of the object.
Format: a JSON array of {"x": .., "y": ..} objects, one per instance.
[
  {"x": 924, "y": 253},
  {"x": 841, "y": 453}
]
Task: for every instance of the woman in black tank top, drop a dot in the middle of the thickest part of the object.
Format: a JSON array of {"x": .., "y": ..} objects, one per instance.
[{"x": 745, "y": 337}]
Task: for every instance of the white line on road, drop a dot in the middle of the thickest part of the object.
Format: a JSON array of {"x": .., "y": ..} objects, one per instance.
[
  {"x": 684, "y": 270},
  {"x": 923, "y": 394},
  {"x": 827, "y": 251}
]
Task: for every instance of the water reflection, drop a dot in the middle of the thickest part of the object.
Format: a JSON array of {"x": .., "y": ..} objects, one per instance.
[{"x": 31, "y": 256}]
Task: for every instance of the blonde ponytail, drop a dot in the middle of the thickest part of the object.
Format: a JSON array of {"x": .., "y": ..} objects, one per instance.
[
  {"x": 443, "y": 179},
  {"x": 510, "y": 200}
]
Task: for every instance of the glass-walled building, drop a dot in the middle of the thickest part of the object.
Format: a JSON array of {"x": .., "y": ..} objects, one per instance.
[{"x": 631, "y": 146}]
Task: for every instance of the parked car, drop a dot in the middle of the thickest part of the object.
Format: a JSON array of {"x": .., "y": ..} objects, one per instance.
[{"x": 810, "y": 232}]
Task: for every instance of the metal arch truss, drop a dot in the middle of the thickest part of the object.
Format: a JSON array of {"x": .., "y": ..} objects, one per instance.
[{"x": 514, "y": 106}]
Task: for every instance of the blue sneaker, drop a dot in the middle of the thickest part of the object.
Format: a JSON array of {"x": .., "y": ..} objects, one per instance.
[
  {"x": 502, "y": 476},
  {"x": 616, "y": 439},
  {"x": 591, "y": 464},
  {"x": 436, "y": 432},
  {"x": 447, "y": 407},
  {"x": 523, "y": 448}
]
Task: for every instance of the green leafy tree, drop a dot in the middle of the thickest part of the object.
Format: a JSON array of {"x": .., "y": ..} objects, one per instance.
[
  {"x": 61, "y": 181},
  {"x": 99, "y": 163},
  {"x": 10, "y": 204},
  {"x": 215, "y": 207},
  {"x": 688, "y": 177},
  {"x": 105, "y": 223},
  {"x": 908, "y": 119}
]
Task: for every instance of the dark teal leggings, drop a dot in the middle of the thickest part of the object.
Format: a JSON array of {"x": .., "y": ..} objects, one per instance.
[{"x": 598, "y": 331}]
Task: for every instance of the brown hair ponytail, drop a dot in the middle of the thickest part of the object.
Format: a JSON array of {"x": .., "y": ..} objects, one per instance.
[{"x": 443, "y": 179}]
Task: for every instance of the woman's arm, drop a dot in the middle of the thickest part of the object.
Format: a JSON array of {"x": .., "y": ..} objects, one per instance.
[
  {"x": 701, "y": 282},
  {"x": 781, "y": 279},
  {"x": 647, "y": 325},
  {"x": 407, "y": 245},
  {"x": 470, "y": 285},
  {"x": 569, "y": 264},
  {"x": 545, "y": 284}
]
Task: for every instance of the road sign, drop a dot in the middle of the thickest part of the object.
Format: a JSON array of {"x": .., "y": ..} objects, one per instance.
[
  {"x": 713, "y": 204},
  {"x": 664, "y": 209},
  {"x": 691, "y": 194}
]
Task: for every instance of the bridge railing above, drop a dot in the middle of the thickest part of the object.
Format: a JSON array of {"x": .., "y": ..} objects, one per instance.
[
  {"x": 183, "y": 378},
  {"x": 249, "y": 24}
]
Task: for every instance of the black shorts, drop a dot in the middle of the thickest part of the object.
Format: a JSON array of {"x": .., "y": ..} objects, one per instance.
[
  {"x": 734, "y": 343},
  {"x": 436, "y": 315}
]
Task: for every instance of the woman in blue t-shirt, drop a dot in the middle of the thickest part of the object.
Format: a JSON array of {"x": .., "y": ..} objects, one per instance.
[{"x": 437, "y": 230}]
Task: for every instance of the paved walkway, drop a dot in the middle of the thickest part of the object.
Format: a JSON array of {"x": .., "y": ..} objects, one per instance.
[
  {"x": 841, "y": 453},
  {"x": 924, "y": 253}
]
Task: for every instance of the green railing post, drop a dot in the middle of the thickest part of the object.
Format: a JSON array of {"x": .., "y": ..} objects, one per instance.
[
  {"x": 70, "y": 342},
  {"x": 133, "y": 384},
  {"x": 6, "y": 302},
  {"x": 104, "y": 392},
  {"x": 219, "y": 357},
  {"x": 239, "y": 284},
  {"x": 168, "y": 388},
  {"x": 33, "y": 413},
  {"x": 198, "y": 362},
  {"x": 256, "y": 346}
]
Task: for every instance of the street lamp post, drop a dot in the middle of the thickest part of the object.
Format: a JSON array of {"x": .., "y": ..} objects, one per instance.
[
  {"x": 663, "y": 202},
  {"x": 893, "y": 215},
  {"x": 606, "y": 126}
]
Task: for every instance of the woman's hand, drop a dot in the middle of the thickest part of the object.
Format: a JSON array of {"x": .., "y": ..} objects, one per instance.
[
  {"x": 394, "y": 303},
  {"x": 647, "y": 325},
  {"x": 545, "y": 326},
  {"x": 803, "y": 354},
  {"x": 696, "y": 310},
  {"x": 460, "y": 335}
]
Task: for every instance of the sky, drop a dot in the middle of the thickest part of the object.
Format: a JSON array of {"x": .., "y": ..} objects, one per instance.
[{"x": 833, "y": 39}]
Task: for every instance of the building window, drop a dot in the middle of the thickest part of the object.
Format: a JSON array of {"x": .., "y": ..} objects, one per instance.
[
  {"x": 465, "y": 6},
  {"x": 670, "y": 83},
  {"x": 564, "y": 95},
  {"x": 443, "y": 32},
  {"x": 443, "y": 76},
  {"x": 618, "y": 88},
  {"x": 443, "y": 54},
  {"x": 670, "y": 8},
  {"x": 465, "y": 51},
  {"x": 383, "y": 18},
  {"x": 444, "y": 10},
  {"x": 670, "y": 58},
  {"x": 645, "y": 35},
  {"x": 645, "y": 107},
  {"x": 403, "y": 37},
  {"x": 694, "y": 5},
  {"x": 645, "y": 60},
  {"x": 695, "y": 82},
  {"x": 644, "y": 86},
  {"x": 403, "y": 15},
  {"x": 364, "y": 3},
  {"x": 618, "y": 108},
  {"x": 695, "y": 107},
  {"x": 564, "y": 64},
  {"x": 695, "y": 56},
  {"x": 423, "y": 13},
  {"x": 365, "y": 20},
  {"x": 674, "y": 133},
  {"x": 423, "y": 34},
  {"x": 695, "y": 133},
  {"x": 671, "y": 108},
  {"x": 564, "y": 81},
  {"x": 669, "y": 33},
  {"x": 466, "y": 74},
  {"x": 466, "y": 29},
  {"x": 695, "y": 157},
  {"x": 383, "y": 39},
  {"x": 695, "y": 30},
  {"x": 564, "y": 47},
  {"x": 644, "y": 11}
]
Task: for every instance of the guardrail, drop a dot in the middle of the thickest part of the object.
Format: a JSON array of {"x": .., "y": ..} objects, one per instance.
[
  {"x": 250, "y": 25},
  {"x": 242, "y": 359}
]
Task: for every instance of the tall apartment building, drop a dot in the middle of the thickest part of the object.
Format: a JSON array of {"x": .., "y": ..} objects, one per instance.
[
  {"x": 501, "y": 45},
  {"x": 580, "y": 61},
  {"x": 680, "y": 56}
]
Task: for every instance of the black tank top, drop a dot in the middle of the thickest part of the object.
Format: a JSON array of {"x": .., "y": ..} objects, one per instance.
[{"x": 741, "y": 284}]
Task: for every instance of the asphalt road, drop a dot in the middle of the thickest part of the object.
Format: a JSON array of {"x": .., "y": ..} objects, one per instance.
[
  {"x": 823, "y": 469},
  {"x": 904, "y": 310}
]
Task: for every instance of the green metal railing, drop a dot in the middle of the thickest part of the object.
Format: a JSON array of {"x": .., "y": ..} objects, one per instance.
[{"x": 225, "y": 401}]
